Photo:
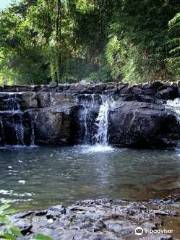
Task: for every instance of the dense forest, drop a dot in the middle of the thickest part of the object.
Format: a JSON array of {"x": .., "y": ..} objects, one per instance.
[{"x": 91, "y": 40}]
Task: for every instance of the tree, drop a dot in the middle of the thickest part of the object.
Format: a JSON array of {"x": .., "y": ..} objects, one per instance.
[
  {"x": 95, "y": 40},
  {"x": 173, "y": 59}
]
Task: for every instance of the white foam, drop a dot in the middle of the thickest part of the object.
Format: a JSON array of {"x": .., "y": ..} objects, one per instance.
[
  {"x": 96, "y": 148},
  {"x": 14, "y": 147},
  {"x": 22, "y": 182},
  {"x": 174, "y": 105}
]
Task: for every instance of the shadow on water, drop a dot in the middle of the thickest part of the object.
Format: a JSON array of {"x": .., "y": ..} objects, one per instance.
[{"x": 40, "y": 176}]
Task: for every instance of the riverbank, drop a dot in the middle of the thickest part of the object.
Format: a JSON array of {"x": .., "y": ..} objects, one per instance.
[{"x": 104, "y": 219}]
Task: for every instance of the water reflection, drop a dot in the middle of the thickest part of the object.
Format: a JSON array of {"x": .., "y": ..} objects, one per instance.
[{"x": 39, "y": 177}]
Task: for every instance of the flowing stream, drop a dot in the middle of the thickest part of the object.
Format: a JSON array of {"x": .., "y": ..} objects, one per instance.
[{"x": 76, "y": 173}]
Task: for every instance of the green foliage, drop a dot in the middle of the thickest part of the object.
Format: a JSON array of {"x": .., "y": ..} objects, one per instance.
[
  {"x": 102, "y": 40},
  {"x": 22, "y": 59},
  {"x": 143, "y": 30},
  {"x": 10, "y": 232},
  {"x": 173, "y": 60}
]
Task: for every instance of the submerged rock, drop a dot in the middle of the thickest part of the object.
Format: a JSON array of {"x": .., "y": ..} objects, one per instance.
[{"x": 99, "y": 219}]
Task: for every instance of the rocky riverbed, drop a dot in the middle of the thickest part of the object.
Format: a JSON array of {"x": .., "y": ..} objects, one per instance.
[{"x": 104, "y": 220}]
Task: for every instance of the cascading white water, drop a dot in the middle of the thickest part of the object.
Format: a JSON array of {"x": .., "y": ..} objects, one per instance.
[
  {"x": 33, "y": 120},
  {"x": 12, "y": 122},
  {"x": 19, "y": 128},
  {"x": 96, "y": 129},
  {"x": 87, "y": 103},
  {"x": 174, "y": 105},
  {"x": 102, "y": 123},
  {"x": 13, "y": 110}
]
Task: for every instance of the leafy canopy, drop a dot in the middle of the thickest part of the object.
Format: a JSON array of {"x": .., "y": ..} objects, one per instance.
[{"x": 93, "y": 40}]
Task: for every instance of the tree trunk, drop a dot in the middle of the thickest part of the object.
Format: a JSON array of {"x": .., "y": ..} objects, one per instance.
[{"x": 58, "y": 40}]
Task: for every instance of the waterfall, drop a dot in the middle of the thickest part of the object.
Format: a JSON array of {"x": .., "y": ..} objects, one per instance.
[
  {"x": 174, "y": 105},
  {"x": 33, "y": 120},
  {"x": 19, "y": 129},
  {"x": 96, "y": 125},
  {"x": 94, "y": 118},
  {"x": 13, "y": 104},
  {"x": 102, "y": 122},
  {"x": 12, "y": 122},
  {"x": 89, "y": 103},
  {"x": 87, "y": 106},
  {"x": 18, "y": 125}
]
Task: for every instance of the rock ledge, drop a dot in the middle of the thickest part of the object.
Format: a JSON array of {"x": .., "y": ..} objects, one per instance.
[{"x": 101, "y": 220}]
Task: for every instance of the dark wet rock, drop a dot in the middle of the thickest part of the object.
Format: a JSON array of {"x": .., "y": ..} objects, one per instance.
[
  {"x": 27, "y": 100},
  {"x": 78, "y": 88},
  {"x": 16, "y": 88},
  {"x": 53, "y": 114},
  {"x": 139, "y": 98},
  {"x": 62, "y": 100},
  {"x": 53, "y": 84},
  {"x": 171, "y": 92},
  {"x": 10, "y": 128},
  {"x": 155, "y": 89},
  {"x": 53, "y": 126},
  {"x": 156, "y": 85},
  {"x": 43, "y": 99},
  {"x": 144, "y": 98},
  {"x": 135, "y": 124},
  {"x": 96, "y": 219},
  {"x": 55, "y": 212}
]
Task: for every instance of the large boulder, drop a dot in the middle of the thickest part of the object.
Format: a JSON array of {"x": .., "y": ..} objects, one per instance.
[
  {"x": 142, "y": 125},
  {"x": 27, "y": 100},
  {"x": 168, "y": 92},
  {"x": 53, "y": 126}
]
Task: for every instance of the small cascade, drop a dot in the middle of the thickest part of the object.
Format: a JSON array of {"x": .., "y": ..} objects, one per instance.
[
  {"x": 102, "y": 122},
  {"x": 18, "y": 125},
  {"x": 33, "y": 120},
  {"x": 32, "y": 135},
  {"x": 174, "y": 105},
  {"x": 19, "y": 129},
  {"x": 94, "y": 119},
  {"x": 12, "y": 121},
  {"x": 1, "y": 131},
  {"x": 86, "y": 117},
  {"x": 13, "y": 104}
]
